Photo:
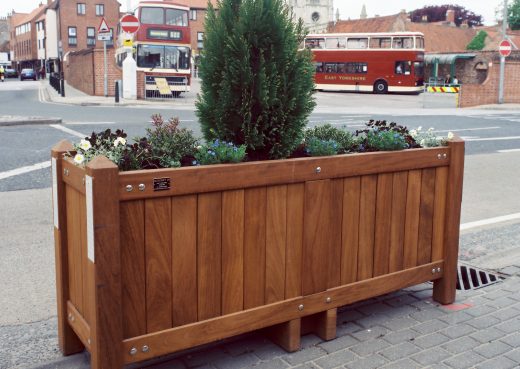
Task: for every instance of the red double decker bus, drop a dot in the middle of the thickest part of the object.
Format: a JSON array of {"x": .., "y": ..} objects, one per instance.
[
  {"x": 161, "y": 48},
  {"x": 370, "y": 62}
]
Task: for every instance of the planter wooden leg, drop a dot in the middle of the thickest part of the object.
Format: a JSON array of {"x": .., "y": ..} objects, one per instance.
[
  {"x": 286, "y": 335},
  {"x": 322, "y": 324},
  {"x": 68, "y": 340}
]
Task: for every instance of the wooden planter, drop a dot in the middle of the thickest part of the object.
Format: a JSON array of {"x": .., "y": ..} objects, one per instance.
[{"x": 153, "y": 262}]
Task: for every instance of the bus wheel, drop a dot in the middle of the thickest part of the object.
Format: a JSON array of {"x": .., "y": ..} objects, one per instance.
[{"x": 380, "y": 87}]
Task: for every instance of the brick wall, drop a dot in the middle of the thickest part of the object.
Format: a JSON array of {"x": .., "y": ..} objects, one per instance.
[
  {"x": 473, "y": 94},
  {"x": 84, "y": 71}
]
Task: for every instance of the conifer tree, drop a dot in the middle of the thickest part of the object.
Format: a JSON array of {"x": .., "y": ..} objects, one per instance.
[{"x": 256, "y": 85}]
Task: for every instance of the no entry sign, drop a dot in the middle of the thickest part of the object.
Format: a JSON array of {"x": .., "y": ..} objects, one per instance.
[
  {"x": 129, "y": 23},
  {"x": 504, "y": 48}
]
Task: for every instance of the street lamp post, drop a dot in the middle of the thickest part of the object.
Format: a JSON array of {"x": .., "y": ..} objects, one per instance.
[{"x": 502, "y": 59}]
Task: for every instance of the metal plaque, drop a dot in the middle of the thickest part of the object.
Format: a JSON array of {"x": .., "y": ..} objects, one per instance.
[{"x": 161, "y": 184}]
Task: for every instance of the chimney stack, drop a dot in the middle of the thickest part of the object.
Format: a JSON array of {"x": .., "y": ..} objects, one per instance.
[{"x": 450, "y": 17}]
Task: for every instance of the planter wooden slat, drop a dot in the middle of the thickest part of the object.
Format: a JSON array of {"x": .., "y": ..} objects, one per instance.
[
  {"x": 209, "y": 255},
  {"x": 293, "y": 265},
  {"x": 397, "y": 227},
  {"x": 383, "y": 221},
  {"x": 158, "y": 264},
  {"x": 424, "y": 246},
  {"x": 439, "y": 212},
  {"x": 350, "y": 240},
  {"x": 174, "y": 269},
  {"x": 254, "y": 247},
  {"x": 73, "y": 176},
  {"x": 232, "y": 251},
  {"x": 184, "y": 259},
  {"x": 413, "y": 203},
  {"x": 367, "y": 213},
  {"x": 133, "y": 267},
  {"x": 316, "y": 236},
  {"x": 275, "y": 243}
]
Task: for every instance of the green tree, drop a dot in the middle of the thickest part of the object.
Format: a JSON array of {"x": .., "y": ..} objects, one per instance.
[
  {"x": 513, "y": 15},
  {"x": 478, "y": 42},
  {"x": 256, "y": 85}
]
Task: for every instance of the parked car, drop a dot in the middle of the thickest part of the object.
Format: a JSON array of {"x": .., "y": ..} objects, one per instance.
[
  {"x": 28, "y": 74},
  {"x": 10, "y": 73}
]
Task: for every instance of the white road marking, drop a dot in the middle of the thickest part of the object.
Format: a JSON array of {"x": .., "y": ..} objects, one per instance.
[
  {"x": 480, "y": 223},
  {"x": 23, "y": 170},
  {"x": 88, "y": 123},
  {"x": 466, "y": 129},
  {"x": 68, "y": 130},
  {"x": 511, "y": 150},
  {"x": 494, "y": 138}
]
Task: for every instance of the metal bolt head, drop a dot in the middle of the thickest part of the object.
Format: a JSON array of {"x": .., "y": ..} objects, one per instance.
[
  {"x": 66, "y": 172},
  {"x": 133, "y": 351},
  {"x": 145, "y": 348},
  {"x": 83, "y": 180},
  {"x": 444, "y": 156},
  {"x": 70, "y": 316},
  {"x": 300, "y": 307},
  {"x": 88, "y": 341},
  {"x": 433, "y": 271},
  {"x": 318, "y": 170},
  {"x": 438, "y": 270},
  {"x": 142, "y": 187},
  {"x": 439, "y": 156},
  {"x": 328, "y": 300},
  {"x": 129, "y": 188}
]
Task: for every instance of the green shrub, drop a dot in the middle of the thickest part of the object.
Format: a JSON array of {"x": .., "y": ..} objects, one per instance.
[
  {"x": 383, "y": 136},
  {"x": 345, "y": 140},
  {"x": 316, "y": 147},
  {"x": 385, "y": 140},
  {"x": 256, "y": 86},
  {"x": 478, "y": 42},
  {"x": 219, "y": 152}
]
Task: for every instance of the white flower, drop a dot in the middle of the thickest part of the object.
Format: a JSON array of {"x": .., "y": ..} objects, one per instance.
[
  {"x": 419, "y": 128},
  {"x": 413, "y": 133},
  {"x": 423, "y": 142},
  {"x": 430, "y": 129},
  {"x": 450, "y": 135},
  {"x": 119, "y": 140},
  {"x": 85, "y": 145},
  {"x": 199, "y": 147},
  {"x": 79, "y": 159}
]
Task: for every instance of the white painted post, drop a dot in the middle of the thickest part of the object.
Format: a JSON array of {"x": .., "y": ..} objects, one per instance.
[{"x": 129, "y": 77}]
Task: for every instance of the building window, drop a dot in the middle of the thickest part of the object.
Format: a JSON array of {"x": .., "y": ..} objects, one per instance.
[
  {"x": 200, "y": 40},
  {"x": 91, "y": 36},
  {"x": 100, "y": 9},
  {"x": 193, "y": 14},
  {"x": 82, "y": 9},
  {"x": 73, "y": 36},
  {"x": 39, "y": 45}
]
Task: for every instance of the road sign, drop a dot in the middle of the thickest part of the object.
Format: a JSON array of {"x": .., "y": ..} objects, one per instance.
[
  {"x": 103, "y": 27},
  {"x": 104, "y": 36},
  {"x": 505, "y": 48},
  {"x": 129, "y": 23},
  {"x": 128, "y": 43}
]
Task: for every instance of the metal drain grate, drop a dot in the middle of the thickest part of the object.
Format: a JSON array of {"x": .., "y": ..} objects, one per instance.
[{"x": 471, "y": 278}]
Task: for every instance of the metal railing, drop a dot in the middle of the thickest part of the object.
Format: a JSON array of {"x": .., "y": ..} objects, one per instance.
[
  {"x": 54, "y": 81},
  {"x": 176, "y": 86}
]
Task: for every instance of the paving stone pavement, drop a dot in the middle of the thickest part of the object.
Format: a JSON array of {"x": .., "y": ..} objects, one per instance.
[{"x": 404, "y": 329}]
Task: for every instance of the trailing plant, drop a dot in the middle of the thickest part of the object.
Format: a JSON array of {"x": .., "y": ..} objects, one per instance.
[
  {"x": 219, "y": 152},
  {"x": 346, "y": 141},
  {"x": 106, "y": 143},
  {"x": 382, "y": 136},
  {"x": 316, "y": 147},
  {"x": 256, "y": 86},
  {"x": 429, "y": 138}
]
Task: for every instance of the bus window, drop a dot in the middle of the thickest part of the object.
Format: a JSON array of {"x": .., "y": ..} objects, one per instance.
[
  {"x": 319, "y": 67},
  {"x": 150, "y": 56},
  {"x": 418, "y": 68},
  {"x": 342, "y": 68},
  {"x": 380, "y": 43},
  {"x": 335, "y": 43},
  {"x": 315, "y": 43},
  {"x": 175, "y": 17},
  {"x": 419, "y": 43},
  {"x": 403, "y": 67},
  {"x": 330, "y": 67},
  {"x": 357, "y": 43},
  {"x": 403, "y": 43},
  {"x": 356, "y": 68},
  {"x": 152, "y": 16}
]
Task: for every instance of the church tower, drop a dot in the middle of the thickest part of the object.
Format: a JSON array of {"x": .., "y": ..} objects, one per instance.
[{"x": 316, "y": 14}]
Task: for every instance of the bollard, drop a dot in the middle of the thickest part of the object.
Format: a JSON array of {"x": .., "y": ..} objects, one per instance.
[
  {"x": 117, "y": 92},
  {"x": 62, "y": 87}
]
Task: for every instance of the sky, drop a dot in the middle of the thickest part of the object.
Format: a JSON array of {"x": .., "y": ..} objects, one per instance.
[{"x": 347, "y": 8}]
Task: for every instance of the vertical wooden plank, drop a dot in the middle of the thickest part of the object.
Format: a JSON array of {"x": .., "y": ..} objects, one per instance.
[
  {"x": 107, "y": 325},
  {"x": 86, "y": 269},
  {"x": 411, "y": 229},
  {"x": 74, "y": 247},
  {"x": 399, "y": 189},
  {"x": 444, "y": 288},
  {"x": 317, "y": 236},
  {"x": 383, "y": 224},
  {"x": 334, "y": 279},
  {"x": 254, "y": 247},
  {"x": 158, "y": 264},
  {"x": 232, "y": 251},
  {"x": 439, "y": 212},
  {"x": 184, "y": 260},
  {"x": 209, "y": 255},
  {"x": 133, "y": 268},
  {"x": 293, "y": 262},
  {"x": 69, "y": 342},
  {"x": 350, "y": 229},
  {"x": 367, "y": 218},
  {"x": 275, "y": 240},
  {"x": 424, "y": 248}
]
